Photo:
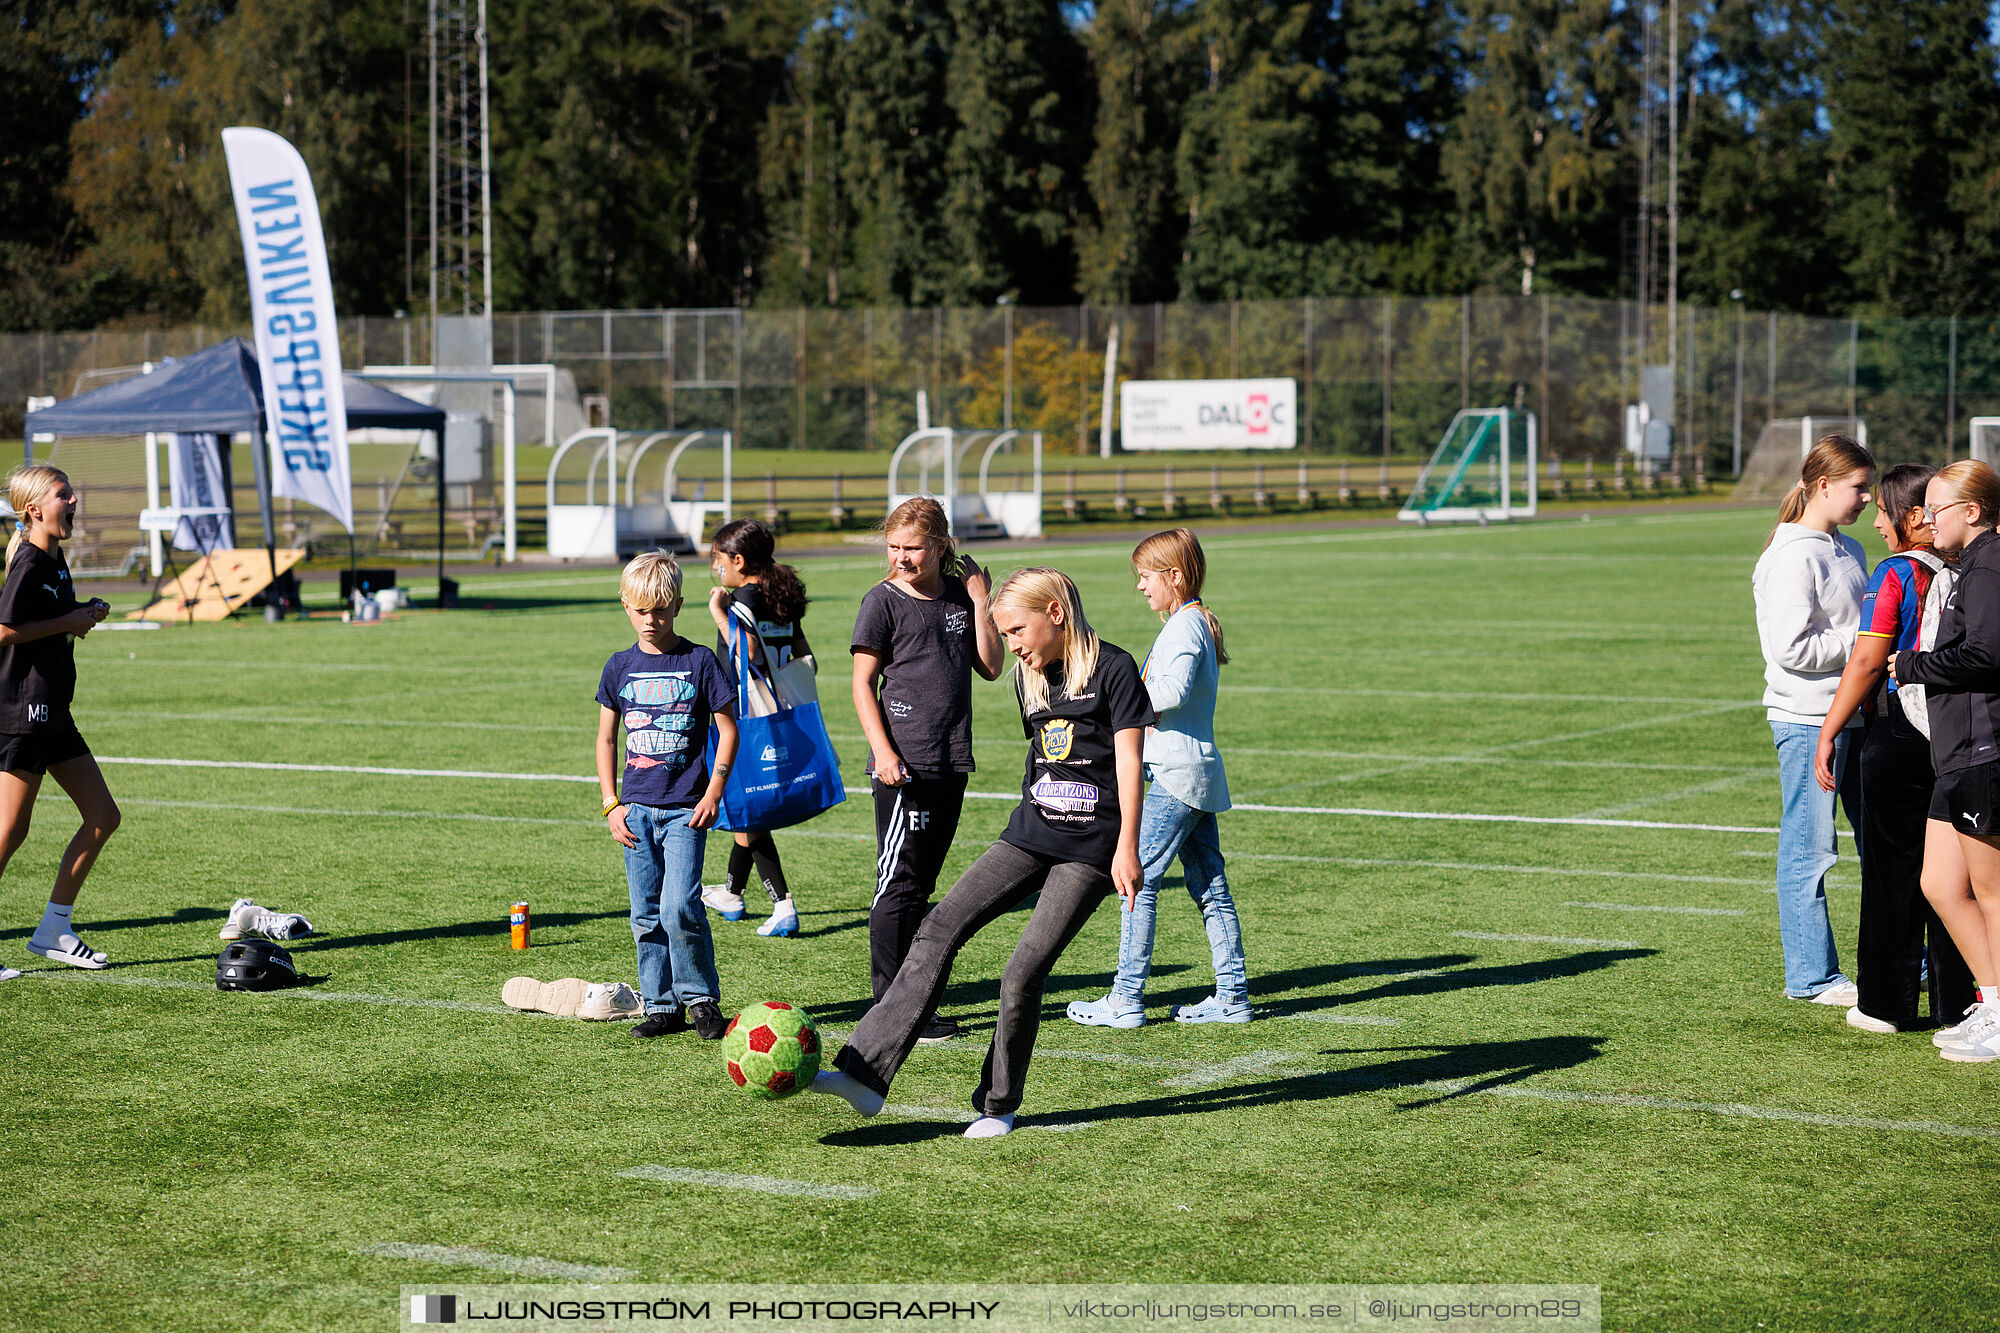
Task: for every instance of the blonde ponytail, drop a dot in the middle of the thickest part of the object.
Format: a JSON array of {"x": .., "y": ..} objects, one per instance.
[
  {"x": 29, "y": 485},
  {"x": 1178, "y": 551},
  {"x": 1831, "y": 458}
]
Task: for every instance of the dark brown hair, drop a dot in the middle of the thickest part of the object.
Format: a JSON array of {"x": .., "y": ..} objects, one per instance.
[
  {"x": 1900, "y": 490},
  {"x": 784, "y": 592}
]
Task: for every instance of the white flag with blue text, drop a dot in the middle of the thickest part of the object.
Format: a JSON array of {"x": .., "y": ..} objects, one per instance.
[{"x": 291, "y": 300}]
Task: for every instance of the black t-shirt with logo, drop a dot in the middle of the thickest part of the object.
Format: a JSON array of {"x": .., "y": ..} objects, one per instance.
[
  {"x": 1069, "y": 794},
  {"x": 783, "y": 640},
  {"x": 927, "y": 647},
  {"x": 37, "y": 680}
]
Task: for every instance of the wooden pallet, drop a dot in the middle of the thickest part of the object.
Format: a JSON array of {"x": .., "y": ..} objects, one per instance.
[{"x": 218, "y": 584}]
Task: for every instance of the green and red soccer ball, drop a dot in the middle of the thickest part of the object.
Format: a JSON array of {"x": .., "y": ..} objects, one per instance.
[{"x": 771, "y": 1050}]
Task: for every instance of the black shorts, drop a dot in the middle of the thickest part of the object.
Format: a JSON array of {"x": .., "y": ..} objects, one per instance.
[
  {"x": 34, "y": 751},
  {"x": 1969, "y": 800}
]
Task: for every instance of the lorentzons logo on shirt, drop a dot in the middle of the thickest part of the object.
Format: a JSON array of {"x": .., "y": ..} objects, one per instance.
[{"x": 1069, "y": 798}]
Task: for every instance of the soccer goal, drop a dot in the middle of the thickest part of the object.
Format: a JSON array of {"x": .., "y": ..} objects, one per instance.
[
  {"x": 1773, "y": 466},
  {"x": 1484, "y": 469}
]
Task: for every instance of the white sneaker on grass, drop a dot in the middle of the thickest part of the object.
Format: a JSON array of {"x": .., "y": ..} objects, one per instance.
[
  {"x": 9, "y": 973},
  {"x": 1982, "y": 1047},
  {"x": 1105, "y": 1013},
  {"x": 784, "y": 922},
  {"x": 1214, "y": 1009},
  {"x": 990, "y": 1126},
  {"x": 246, "y": 918},
  {"x": 608, "y": 1001},
  {"x": 729, "y": 906},
  {"x": 561, "y": 998},
  {"x": 238, "y": 924},
  {"x": 67, "y": 948},
  {"x": 1956, "y": 1033},
  {"x": 1843, "y": 993},
  {"x": 1857, "y": 1019}
]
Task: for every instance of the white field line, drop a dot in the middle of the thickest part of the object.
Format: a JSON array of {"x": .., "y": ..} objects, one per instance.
[
  {"x": 967, "y": 1117},
  {"x": 1254, "y": 1065},
  {"x": 1547, "y": 939},
  {"x": 1354, "y": 1020},
  {"x": 1680, "y": 911},
  {"x": 1734, "y": 1109},
  {"x": 730, "y": 1180},
  {"x": 1451, "y": 1086},
  {"x": 1391, "y": 862},
  {"x": 1361, "y": 812},
  {"x": 293, "y": 720},
  {"x": 1509, "y": 747},
  {"x": 299, "y": 993},
  {"x": 1495, "y": 695},
  {"x": 1679, "y": 794},
  {"x": 525, "y": 1265}
]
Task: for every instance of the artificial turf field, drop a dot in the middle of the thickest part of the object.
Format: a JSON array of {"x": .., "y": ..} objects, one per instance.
[{"x": 1485, "y": 1051}]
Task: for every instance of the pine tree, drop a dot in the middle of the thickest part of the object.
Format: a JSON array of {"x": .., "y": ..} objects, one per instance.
[{"x": 1129, "y": 244}]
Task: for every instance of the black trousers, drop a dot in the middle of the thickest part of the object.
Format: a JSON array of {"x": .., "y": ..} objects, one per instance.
[
  {"x": 914, "y": 826},
  {"x": 999, "y": 881},
  {"x": 1896, "y": 783}
]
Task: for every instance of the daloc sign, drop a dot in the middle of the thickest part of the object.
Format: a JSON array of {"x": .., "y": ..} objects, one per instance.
[{"x": 1209, "y": 414}]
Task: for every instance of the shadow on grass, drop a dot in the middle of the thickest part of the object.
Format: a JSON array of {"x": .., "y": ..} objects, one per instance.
[
  {"x": 1440, "y": 1074},
  {"x": 179, "y": 916},
  {"x": 318, "y": 944},
  {"x": 982, "y": 996},
  {"x": 1275, "y": 993}
]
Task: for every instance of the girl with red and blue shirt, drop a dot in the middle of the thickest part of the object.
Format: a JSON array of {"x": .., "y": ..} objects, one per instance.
[{"x": 1896, "y": 780}]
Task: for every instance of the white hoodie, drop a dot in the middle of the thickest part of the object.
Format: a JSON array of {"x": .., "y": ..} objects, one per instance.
[{"x": 1809, "y": 586}]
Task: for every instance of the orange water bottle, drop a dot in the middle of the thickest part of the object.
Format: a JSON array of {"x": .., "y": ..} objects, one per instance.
[{"x": 517, "y": 921}]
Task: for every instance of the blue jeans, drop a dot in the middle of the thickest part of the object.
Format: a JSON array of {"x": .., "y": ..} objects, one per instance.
[
  {"x": 669, "y": 924},
  {"x": 1806, "y": 851},
  {"x": 1168, "y": 828}
]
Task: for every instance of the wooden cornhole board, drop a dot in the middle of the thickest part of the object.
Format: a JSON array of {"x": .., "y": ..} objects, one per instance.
[{"x": 218, "y": 584}]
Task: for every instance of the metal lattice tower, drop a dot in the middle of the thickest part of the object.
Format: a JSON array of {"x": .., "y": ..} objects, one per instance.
[{"x": 461, "y": 253}]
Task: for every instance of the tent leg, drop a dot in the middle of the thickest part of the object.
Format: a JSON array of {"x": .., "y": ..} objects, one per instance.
[{"x": 274, "y": 609}]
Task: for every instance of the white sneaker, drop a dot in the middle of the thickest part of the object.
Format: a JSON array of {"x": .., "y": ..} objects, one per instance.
[
  {"x": 561, "y": 998},
  {"x": 1857, "y": 1019},
  {"x": 1843, "y": 993},
  {"x": 67, "y": 948},
  {"x": 990, "y": 1126},
  {"x": 279, "y": 925},
  {"x": 721, "y": 901},
  {"x": 784, "y": 922},
  {"x": 238, "y": 923},
  {"x": 607, "y": 1001},
  {"x": 1981, "y": 1048},
  {"x": 9, "y": 973},
  {"x": 1956, "y": 1033}
]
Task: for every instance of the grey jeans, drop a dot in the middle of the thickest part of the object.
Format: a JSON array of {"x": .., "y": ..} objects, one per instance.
[{"x": 998, "y": 881}]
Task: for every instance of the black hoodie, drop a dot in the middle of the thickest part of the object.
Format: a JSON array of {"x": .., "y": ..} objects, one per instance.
[{"x": 1962, "y": 673}]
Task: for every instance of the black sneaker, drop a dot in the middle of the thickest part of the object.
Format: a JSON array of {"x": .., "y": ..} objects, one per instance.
[
  {"x": 660, "y": 1023},
  {"x": 709, "y": 1024},
  {"x": 938, "y": 1029}
]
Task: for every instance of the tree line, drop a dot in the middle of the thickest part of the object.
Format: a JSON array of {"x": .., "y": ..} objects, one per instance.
[{"x": 1833, "y": 157}]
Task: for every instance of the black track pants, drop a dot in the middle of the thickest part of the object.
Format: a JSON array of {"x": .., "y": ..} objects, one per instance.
[{"x": 914, "y": 826}]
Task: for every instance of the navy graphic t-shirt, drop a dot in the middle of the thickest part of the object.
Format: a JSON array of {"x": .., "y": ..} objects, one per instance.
[
  {"x": 1069, "y": 793},
  {"x": 665, "y": 700}
]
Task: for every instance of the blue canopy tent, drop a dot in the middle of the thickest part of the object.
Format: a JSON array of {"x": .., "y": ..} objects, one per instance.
[{"x": 219, "y": 391}]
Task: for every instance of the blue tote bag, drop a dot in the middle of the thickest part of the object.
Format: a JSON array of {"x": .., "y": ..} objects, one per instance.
[{"x": 786, "y": 771}]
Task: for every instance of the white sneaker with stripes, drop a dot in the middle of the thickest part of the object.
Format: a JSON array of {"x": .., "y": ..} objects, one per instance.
[{"x": 67, "y": 948}]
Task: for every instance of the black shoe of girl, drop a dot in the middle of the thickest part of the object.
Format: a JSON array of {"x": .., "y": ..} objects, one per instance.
[
  {"x": 938, "y": 1029},
  {"x": 661, "y": 1023},
  {"x": 709, "y": 1024}
]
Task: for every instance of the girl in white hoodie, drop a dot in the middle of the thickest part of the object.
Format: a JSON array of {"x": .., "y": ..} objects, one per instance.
[{"x": 1809, "y": 584}]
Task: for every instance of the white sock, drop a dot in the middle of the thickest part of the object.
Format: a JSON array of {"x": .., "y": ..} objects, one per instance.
[
  {"x": 990, "y": 1126},
  {"x": 55, "y": 921},
  {"x": 853, "y": 1091},
  {"x": 1987, "y": 994}
]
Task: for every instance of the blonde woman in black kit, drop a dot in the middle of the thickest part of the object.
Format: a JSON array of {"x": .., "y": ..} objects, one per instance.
[
  {"x": 1073, "y": 841},
  {"x": 39, "y": 622}
]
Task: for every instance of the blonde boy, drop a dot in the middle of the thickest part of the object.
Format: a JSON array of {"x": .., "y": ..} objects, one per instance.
[{"x": 665, "y": 691}]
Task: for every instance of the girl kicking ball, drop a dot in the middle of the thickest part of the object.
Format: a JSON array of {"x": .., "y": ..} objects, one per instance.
[
  {"x": 1189, "y": 790},
  {"x": 40, "y": 621},
  {"x": 1074, "y": 838}
]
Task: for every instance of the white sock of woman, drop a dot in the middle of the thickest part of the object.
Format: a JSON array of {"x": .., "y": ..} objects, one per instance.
[
  {"x": 990, "y": 1126},
  {"x": 55, "y": 923},
  {"x": 838, "y": 1083}
]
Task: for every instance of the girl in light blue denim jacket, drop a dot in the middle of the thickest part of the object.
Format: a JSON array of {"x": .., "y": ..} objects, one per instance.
[{"x": 1188, "y": 791}]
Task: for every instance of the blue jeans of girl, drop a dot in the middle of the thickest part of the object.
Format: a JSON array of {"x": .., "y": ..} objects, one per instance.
[
  {"x": 669, "y": 923},
  {"x": 1167, "y": 829},
  {"x": 1807, "y": 850}
]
